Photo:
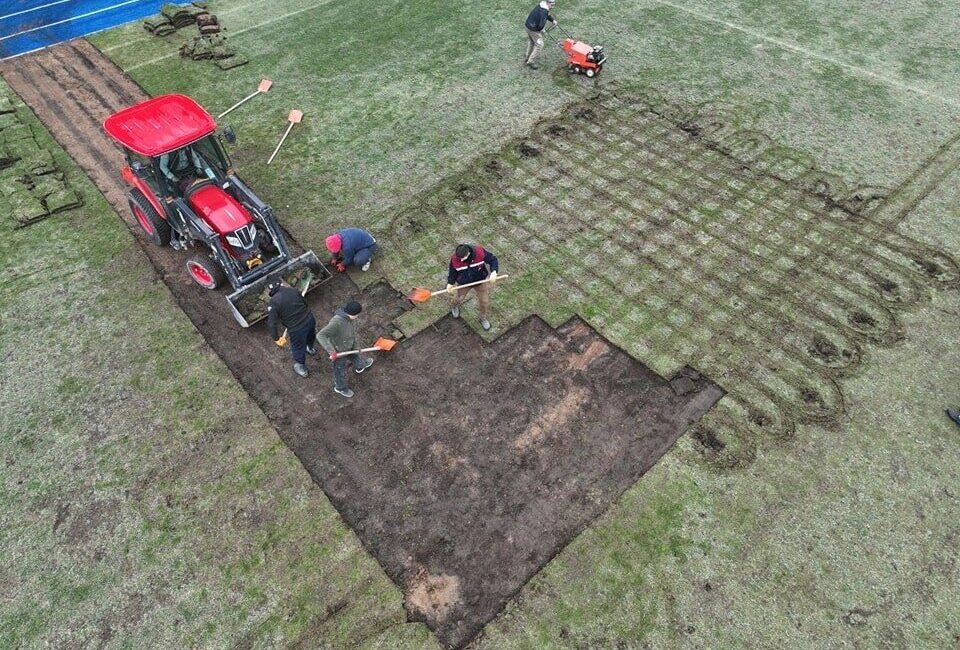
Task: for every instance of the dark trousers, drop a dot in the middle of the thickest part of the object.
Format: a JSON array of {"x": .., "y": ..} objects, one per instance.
[
  {"x": 363, "y": 255},
  {"x": 341, "y": 366},
  {"x": 303, "y": 338}
]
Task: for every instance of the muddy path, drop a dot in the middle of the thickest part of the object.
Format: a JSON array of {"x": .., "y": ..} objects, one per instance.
[{"x": 464, "y": 467}]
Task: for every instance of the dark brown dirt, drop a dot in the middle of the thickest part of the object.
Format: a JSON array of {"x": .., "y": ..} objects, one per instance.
[
  {"x": 528, "y": 151},
  {"x": 462, "y": 495}
]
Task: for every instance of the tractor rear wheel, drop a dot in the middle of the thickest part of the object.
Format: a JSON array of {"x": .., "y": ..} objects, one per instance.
[
  {"x": 590, "y": 72},
  {"x": 154, "y": 226},
  {"x": 205, "y": 272}
]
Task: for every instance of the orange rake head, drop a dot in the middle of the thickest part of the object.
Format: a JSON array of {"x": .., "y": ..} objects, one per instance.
[
  {"x": 295, "y": 116},
  {"x": 384, "y": 345},
  {"x": 420, "y": 295},
  {"x": 264, "y": 85}
]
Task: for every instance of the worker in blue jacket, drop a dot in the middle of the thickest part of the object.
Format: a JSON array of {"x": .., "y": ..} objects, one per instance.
[
  {"x": 472, "y": 264},
  {"x": 351, "y": 246},
  {"x": 536, "y": 23}
]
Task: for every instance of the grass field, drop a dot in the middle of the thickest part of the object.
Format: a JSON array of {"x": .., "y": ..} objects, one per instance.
[{"x": 149, "y": 502}]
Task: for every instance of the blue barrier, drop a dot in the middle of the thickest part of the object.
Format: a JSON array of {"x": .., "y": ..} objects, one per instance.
[{"x": 28, "y": 25}]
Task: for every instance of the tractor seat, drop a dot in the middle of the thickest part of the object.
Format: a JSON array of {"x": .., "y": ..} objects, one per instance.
[{"x": 198, "y": 185}]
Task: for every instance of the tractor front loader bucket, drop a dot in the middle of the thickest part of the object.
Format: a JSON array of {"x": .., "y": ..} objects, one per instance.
[{"x": 249, "y": 303}]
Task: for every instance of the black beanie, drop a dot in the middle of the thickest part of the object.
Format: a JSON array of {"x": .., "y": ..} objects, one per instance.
[{"x": 353, "y": 308}]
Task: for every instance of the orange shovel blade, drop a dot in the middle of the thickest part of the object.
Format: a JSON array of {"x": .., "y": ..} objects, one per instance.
[
  {"x": 384, "y": 344},
  {"x": 420, "y": 295},
  {"x": 264, "y": 85},
  {"x": 295, "y": 116}
]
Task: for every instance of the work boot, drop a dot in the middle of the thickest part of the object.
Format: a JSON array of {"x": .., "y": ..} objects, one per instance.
[
  {"x": 485, "y": 324},
  {"x": 300, "y": 369},
  {"x": 954, "y": 414},
  {"x": 346, "y": 392},
  {"x": 364, "y": 366},
  {"x": 533, "y": 66},
  {"x": 365, "y": 267},
  {"x": 455, "y": 311},
  {"x": 312, "y": 351}
]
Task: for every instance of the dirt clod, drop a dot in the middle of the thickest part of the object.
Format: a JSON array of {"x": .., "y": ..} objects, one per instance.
[
  {"x": 708, "y": 438},
  {"x": 528, "y": 151},
  {"x": 824, "y": 349},
  {"x": 863, "y": 319},
  {"x": 929, "y": 267}
]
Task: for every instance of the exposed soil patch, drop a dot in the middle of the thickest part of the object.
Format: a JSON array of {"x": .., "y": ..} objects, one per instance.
[
  {"x": 860, "y": 318},
  {"x": 929, "y": 267},
  {"x": 528, "y": 151},
  {"x": 461, "y": 494},
  {"x": 708, "y": 439}
]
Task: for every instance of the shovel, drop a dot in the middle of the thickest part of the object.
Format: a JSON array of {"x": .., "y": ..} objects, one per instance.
[
  {"x": 304, "y": 286},
  {"x": 262, "y": 88},
  {"x": 380, "y": 345},
  {"x": 423, "y": 295},
  {"x": 294, "y": 117}
]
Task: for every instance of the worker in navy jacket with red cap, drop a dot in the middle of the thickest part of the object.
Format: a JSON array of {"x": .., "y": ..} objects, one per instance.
[
  {"x": 351, "y": 247},
  {"x": 471, "y": 263}
]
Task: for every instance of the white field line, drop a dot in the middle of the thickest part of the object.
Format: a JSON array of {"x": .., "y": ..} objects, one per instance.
[
  {"x": 37, "y": 8},
  {"x": 810, "y": 53},
  {"x": 71, "y": 18},
  {"x": 236, "y": 33}
]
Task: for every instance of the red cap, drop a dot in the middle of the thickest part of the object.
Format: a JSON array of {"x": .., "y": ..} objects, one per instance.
[{"x": 334, "y": 243}]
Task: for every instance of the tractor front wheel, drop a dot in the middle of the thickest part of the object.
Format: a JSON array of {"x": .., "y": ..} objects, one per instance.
[
  {"x": 205, "y": 272},
  {"x": 154, "y": 226},
  {"x": 590, "y": 72},
  {"x": 576, "y": 69}
]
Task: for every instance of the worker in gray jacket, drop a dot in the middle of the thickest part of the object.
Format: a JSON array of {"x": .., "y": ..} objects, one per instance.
[{"x": 340, "y": 335}]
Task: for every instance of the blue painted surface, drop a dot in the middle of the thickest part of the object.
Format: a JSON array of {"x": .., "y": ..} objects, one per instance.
[{"x": 27, "y": 25}]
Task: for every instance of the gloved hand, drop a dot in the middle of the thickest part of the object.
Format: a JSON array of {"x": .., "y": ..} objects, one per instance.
[
  {"x": 282, "y": 341},
  {"x": 493, "y": 277},
  {"x": 333, "y": 356},
  {"x": 340, "y": 266},
  {"x": 451, "y": 288}
]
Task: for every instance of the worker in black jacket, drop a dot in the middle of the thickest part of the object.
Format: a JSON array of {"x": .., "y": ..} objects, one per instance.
[
  {"x": 536, "y": 23},
  {"x": 470, "y": 264},
  {"x": 288, "y": 308}
]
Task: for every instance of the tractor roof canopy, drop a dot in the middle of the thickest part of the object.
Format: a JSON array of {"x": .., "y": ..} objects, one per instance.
[{"x": 160, "y": 125}]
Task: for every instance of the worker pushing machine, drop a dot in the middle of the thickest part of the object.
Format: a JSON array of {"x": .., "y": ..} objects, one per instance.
[
  {"x": 351, "y": 247},
  {"x": 536, "y": 23},
  {"x": 470, "y": 264},
  {"x": 340, "y": 335}
]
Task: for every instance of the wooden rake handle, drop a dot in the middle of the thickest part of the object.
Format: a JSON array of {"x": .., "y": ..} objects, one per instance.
[{"x": 470, "y": 284}]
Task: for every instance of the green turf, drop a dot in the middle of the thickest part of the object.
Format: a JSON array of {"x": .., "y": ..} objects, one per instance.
[
  {"x": 147, "y": 501},
  {"x": 840, "y": 535}
]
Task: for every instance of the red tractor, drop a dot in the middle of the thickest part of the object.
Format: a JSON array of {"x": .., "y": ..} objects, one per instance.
[{"x": 185, "y": 194}]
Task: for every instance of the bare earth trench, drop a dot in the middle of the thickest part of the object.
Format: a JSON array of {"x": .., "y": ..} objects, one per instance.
[{"x": 464, "y": 467}]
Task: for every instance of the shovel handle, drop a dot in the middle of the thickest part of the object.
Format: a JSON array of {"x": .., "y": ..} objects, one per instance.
[
  {"x": 347, "y": 354},
  {"x": 471, "y": 284},
  {"x": 277, "y": 150},
  {"x": 237, "y": 105}
]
